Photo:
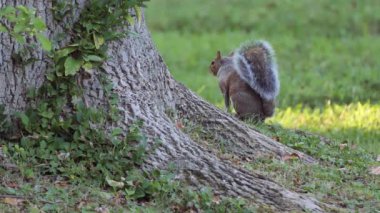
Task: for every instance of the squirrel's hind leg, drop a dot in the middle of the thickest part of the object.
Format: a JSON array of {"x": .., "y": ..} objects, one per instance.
[{"x": 248, "y": 105}]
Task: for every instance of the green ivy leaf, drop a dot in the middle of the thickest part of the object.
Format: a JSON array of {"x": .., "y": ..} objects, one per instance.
[
  {"x": 93, "y": 58},
  {"x": 117, "y": 131},
  {"x": 45, "y": 42},
  {"x": 3, "y": 29},
  {"x": 98, "y": 41},
  {"x": 72, "y": 66},
  {"x": 138, "y": 14},
  {"x": 43, "y": 145},
  {"x": 7, "y": 11},
  {"x": 25, "y": 10},
  {"x": 64, "y": 52},
  {"x": 24, "y": 119},
  {"x": 50, "y": 76},
  {"x": 115, "y": 184},
  {"x": 130, "y": 192},
  {"x": 47, "y": 114},
  {"x": 87, "y": 67},
  {"x": 38, "y": 24},
  {"x": 130, "y": 20},
  {"x": 19, "y": 27},
  {"x": 139, "y": 193},
  {"x": 19, "y": 38}
]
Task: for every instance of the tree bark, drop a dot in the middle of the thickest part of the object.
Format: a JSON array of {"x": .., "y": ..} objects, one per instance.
[{"x": 148, "y": 92}]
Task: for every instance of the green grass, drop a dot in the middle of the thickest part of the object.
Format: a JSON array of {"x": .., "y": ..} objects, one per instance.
[
  {"x": 327, "y": 53},
  {"x": 355, "y": 123},
  {"x": 340, "y": 18},
  {"x": 341, "y": 178}
]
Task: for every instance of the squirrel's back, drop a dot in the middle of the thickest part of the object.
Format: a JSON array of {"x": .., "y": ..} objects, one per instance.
[{"x": 256, "y": 65}]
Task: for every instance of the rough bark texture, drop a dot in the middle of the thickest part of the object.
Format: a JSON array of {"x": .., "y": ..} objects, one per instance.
[{"x": 148, "y": 92}]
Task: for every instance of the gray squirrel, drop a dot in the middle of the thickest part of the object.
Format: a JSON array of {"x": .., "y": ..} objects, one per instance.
[{"x": 249, "y": 78}]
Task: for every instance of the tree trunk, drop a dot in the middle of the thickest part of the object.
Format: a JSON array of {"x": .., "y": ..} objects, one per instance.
[{"x": 148, "y": 92}]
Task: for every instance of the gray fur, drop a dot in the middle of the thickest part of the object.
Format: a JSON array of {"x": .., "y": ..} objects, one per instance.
[{"x": 264, "y": 81}]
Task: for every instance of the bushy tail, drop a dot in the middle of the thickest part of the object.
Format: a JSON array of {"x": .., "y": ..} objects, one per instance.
[{"x": 256, "y": 65}]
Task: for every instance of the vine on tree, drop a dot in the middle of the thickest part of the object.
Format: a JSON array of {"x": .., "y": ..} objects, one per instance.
[
  {"x": 65, "y": 136},
  {"x": 60, "y": 131}
]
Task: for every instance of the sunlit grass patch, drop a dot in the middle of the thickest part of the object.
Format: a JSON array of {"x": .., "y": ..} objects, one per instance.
[{"x": 357, "y": 123}]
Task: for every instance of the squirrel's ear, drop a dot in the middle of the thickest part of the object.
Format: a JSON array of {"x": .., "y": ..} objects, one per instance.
[{"x": 218, "y": 55}]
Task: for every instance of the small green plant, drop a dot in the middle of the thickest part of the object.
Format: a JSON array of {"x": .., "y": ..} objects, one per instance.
[
  {"x": 188, "y": 200},
  {"x": 92, "y": 156},
  {"x": 23, "y": 22},
  {"x": 174, "y": 195}
]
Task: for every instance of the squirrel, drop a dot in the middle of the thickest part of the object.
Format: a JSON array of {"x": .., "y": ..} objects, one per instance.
[{"x": 249, "y": 78}]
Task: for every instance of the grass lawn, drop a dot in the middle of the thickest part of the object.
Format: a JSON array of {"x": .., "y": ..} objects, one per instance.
[{"x": 327, "y": 54}]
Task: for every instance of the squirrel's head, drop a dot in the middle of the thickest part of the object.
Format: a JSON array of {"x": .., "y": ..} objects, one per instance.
[{"x": 216, "y": 63}]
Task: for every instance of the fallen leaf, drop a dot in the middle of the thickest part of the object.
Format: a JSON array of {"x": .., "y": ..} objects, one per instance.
[
  {"x": 226, "y": 156},
  {"x": 102, "y": 209},
  {"x": 179, "y": 125},
  {"x": 247, "y": 159},
  {"x": 216, "y": 199},
  {"x": 375, "y": 170},
  {"x": 297, "y": 181},
  {"x": 13, "y": 185},
  {"x": 115, "y": 184},
  {"x": 61, "y": 184},
  {"x": 342, "y": 146},
  {"x": 80, "y": 205},
  {"x": 293, "y": 156},
  {"x": 235, "y": 160},
  {"x": 175, "y": 208},
  {"x": 343, "y": 169},
  {"x": 118, "y": 199},
  {"x": 13, "y": 201},
  {"x": 63, "y": 155}
]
